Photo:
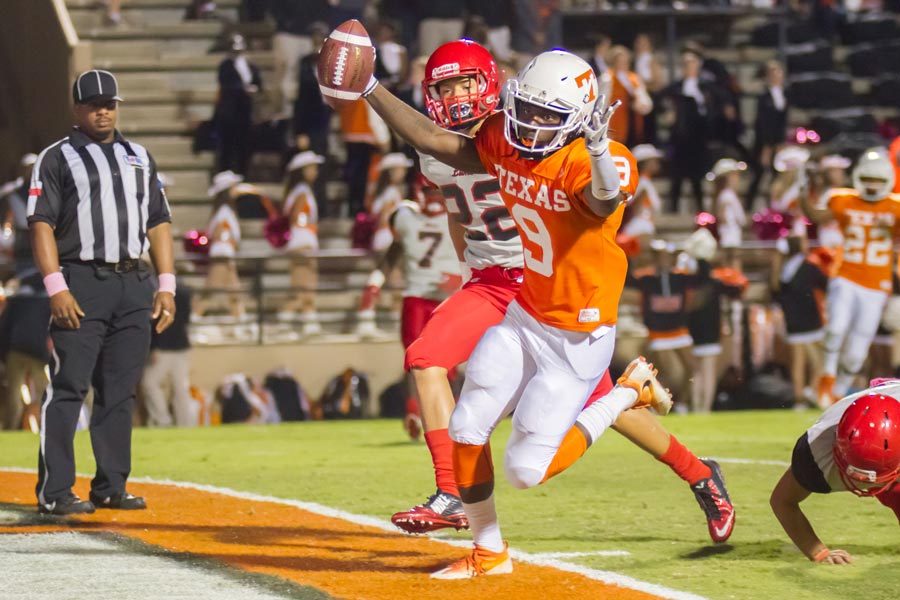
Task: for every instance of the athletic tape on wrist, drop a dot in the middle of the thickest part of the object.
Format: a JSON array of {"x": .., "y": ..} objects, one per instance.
[
  {"x": 605, "y": 180},
  {"x": 55, "y": 283},
  {"x": 167, "y": 283}
]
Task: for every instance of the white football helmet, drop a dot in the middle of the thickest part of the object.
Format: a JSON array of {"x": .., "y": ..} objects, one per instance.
[
  {"x": 556, "y": 80},
  {"x": 873, "y": 175}
]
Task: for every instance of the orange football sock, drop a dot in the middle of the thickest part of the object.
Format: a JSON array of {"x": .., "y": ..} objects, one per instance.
[
  {"x": 573, "y": 446},
  {"x": 441, "y": 447},
  {"x": 684, "y": 462},
  {"x": 472, "y": 465}
]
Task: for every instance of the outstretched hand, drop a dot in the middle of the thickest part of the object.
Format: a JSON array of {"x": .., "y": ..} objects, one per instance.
[{"x": 597, "y": 127}]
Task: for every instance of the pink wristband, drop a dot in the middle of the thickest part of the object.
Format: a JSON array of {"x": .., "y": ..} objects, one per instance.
[
  {"x": 55, "y": 283},
  {"x": 167, "y": 283}
]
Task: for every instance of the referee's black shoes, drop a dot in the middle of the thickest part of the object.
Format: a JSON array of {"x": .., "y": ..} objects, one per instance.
[
  {"x": 120, "y": 501},
  {"x": 69, "y": 505}
]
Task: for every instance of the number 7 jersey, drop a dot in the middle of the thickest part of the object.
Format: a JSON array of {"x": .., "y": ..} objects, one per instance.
[
  {"x": 869, "y": 230},
  {"x": 474, "y": 202},
  {"x": 574, "y": 270}
]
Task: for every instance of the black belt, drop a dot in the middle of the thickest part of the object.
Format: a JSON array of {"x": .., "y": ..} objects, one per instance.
[{"x": 123, "y": 266}]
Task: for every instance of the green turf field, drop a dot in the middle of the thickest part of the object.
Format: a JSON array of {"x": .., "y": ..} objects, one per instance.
[{"x": 616, "y": 498}]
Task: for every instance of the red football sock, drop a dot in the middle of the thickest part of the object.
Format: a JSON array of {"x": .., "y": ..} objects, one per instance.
[
  {"x": 412, "y": 406},
  {"x": 684, "y": 462},
  {"x": 441, "y": 447}
]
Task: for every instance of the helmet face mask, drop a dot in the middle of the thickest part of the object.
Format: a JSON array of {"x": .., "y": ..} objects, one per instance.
[
  {"x": 873, "y": 176},
  {"x": 867, "y": 445},
  {"x": 454, "y": 61},
  {"x": 558, "y": 82}
]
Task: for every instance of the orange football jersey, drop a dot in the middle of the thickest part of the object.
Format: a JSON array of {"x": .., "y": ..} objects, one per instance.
[
  {"x": 869, "y": 230},
  {"x": 574, "y": 270}
]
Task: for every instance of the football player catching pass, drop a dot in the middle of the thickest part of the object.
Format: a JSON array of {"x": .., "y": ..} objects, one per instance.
[
  {"x": 461, "y": 89},
  {"x": 565, "y": 184},
  {"x": 869, "y": 218},
  {"x": 855, "y": 447}
]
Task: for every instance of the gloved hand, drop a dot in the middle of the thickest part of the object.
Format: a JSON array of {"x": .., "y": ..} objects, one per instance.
[{"x": 597, "y": 127}]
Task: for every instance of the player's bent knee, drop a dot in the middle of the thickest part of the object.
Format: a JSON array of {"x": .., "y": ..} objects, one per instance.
[
  {"x": 522, "y": 476},
  {"x": 464, "y": 428}
]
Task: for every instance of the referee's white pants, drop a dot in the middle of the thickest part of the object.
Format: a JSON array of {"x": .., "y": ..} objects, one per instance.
[
  {"x": 543, "y": 373},
  {"x": 854, "y": 313}
]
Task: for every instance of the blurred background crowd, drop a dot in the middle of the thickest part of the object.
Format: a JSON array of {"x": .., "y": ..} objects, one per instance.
[{"x": 733, "y": 109}]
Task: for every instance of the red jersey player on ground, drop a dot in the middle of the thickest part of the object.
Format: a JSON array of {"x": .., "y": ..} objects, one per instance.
[
  {"x": 854, "y": 446},
  {"x": 461, "y": 89},
  {"x": 566, "y": 195}
]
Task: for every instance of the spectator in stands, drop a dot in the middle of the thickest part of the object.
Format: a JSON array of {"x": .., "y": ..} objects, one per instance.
[
  {"x": 200, "y": 9},
  {"x": 498, "y": 16},
  {"x": 790, "y": 183},
  {"x": 300, "y": 208},
  {"x": 894, "y": 155},
  {"x": 224, "y": 232},
  {"x": 441, "y": 21},
  {"x": 798, "y": 283},
  {"x": 664, "y": 295},
  {"x": 169, "y": 366},
  {"x": 312, "y": 117},
  {"x": 627, "y": 123},
  {"x": 646, "y": 204},
  {"x": 344, "y": 10},
  {"x": 691, "y": 102},
  {"x": 239, "y": 84},
  {"x": 291, "y": 42},
  {"x": 113, "y": 16},
  {"x": 725, "y": 115},
  {"x": 25, "y": 348},
  {"x": 651, "y": 73},
  {"x": 597, "y": 61},
  {"x": 390, "y": 191},
  {"x": 416, "y": 76},
  {"x": 769, "y": 127},
  {"x": 364, "y": 134},
  {"x": 14, "y": 197},
  {"x": 391, "y": 58},
  {"x": 538, "y": 26},
  {"x": 730, "y": 216}
]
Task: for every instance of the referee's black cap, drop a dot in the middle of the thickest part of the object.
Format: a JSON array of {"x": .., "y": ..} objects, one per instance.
[{"x": 95, "y": 85}]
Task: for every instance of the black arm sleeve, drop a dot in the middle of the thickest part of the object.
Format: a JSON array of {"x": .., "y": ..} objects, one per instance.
[{"x": 805, "y": 469}]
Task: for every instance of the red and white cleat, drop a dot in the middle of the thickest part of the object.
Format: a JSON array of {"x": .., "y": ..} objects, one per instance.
[{"x": 440, "y": 511}]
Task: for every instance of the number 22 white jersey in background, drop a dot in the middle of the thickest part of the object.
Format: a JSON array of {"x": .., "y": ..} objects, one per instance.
[{"x": 475, "y": 202}]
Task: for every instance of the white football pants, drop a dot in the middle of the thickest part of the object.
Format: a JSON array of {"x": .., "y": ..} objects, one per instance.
[
  {"x": 544, "y": 374},
  {"x": 854, "y": 313}
]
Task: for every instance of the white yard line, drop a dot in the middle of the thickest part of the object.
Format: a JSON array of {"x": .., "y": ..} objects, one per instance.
[
  {"x": 546, "y": 559},
  {"x": 751, "y": 461},
  {"x": 543, "y": 555}
]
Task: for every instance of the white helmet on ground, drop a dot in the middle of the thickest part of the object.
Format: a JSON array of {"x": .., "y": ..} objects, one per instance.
[
  {"x": 558, "y": 81},
  {"x": 873, "y": 175}
]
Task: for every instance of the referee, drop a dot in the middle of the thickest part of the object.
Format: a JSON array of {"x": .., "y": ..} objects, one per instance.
[{"x": 95, "y": 206}]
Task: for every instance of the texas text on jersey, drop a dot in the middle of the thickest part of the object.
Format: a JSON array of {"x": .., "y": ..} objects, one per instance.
[{"x": 575, "y": 271}]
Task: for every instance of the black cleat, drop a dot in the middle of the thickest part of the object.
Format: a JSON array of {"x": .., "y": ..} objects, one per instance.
[
  {"x": 121, "y": 501},
  {"x": 712, "y": 496},
  {"x": 68, "y": 505}
]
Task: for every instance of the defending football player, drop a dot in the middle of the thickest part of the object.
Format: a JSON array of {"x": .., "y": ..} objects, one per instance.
[
  {"x": 869, "y": 218},
  {"x": 855, "y": 447},
  {"x": 461, "y": 89}
]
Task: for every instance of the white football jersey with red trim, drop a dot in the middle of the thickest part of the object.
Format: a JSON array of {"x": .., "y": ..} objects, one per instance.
[
  {"x": 430, "y": 263},
  {"x": 475, "y": 202}
]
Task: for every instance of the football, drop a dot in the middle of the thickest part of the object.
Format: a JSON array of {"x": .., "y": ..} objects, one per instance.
[{"x": 346, "y": 63}]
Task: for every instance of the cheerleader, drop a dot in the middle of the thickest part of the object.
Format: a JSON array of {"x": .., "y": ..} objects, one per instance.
[
  {"x": 390, "y": 190},
  {"x": 730, "y": 215},
  {"x": 224, "y": 232},
  {"x": 301, "y": 210}
]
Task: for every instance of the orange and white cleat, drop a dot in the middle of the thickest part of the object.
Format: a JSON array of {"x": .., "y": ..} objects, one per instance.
[
  {"x": 826, "y": 391},
  {"x": 641, "y": 377},
  {"x": 480, "y": 562}
]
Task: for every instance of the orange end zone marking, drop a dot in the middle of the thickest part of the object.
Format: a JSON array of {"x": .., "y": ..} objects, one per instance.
[{"x": 333, "y": 555}]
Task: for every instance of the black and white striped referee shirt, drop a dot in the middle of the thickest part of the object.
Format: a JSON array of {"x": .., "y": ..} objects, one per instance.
[{"x": 101, "y": 199}]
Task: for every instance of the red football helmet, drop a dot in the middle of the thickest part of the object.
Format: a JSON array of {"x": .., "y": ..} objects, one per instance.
[
  {"x": 429, "y": 197},
  {"x": 461, "y": 58},
  {"x": 867, "y": 448}
]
